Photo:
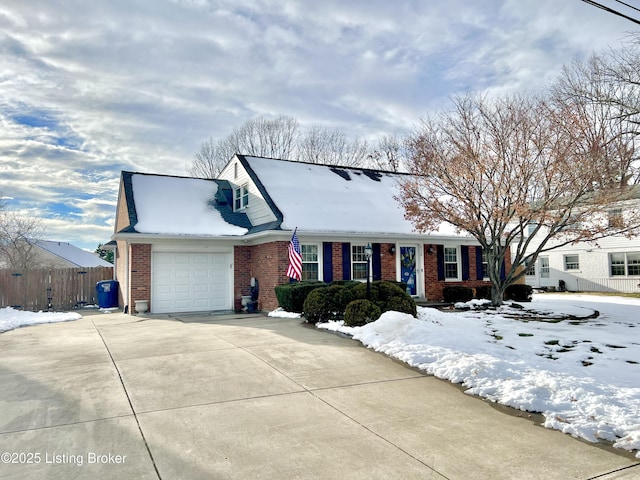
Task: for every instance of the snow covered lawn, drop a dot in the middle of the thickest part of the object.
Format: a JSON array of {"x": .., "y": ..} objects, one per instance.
[
  {"x": 10, "y": 318},
  {"x": 582, "y": 374}
]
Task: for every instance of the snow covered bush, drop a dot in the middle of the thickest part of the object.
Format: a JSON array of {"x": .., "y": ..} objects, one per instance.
[{"x": 361, "y": 312}]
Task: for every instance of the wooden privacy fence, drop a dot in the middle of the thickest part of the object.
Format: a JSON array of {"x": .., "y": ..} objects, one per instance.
[{"x": 51, "y": 289}]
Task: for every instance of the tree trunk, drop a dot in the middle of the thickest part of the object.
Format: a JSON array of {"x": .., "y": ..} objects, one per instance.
[{"x": 497, "y": 293}]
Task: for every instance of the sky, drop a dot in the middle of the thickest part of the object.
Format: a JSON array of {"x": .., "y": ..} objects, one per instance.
[{"x": 89, "y": 88}]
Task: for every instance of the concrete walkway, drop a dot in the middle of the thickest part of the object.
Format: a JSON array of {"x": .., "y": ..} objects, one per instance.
[{"x": 216, "y": 397}]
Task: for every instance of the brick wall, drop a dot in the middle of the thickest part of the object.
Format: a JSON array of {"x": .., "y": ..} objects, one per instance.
[
  {"x": 434, "y": 287},
  {"x": 336, "y": 260},
  {"x": 140, "y": 267},
  {"x": 269, "y": 263},
  {"x": 241, "y": 274},
  {"x": 388, "y": 261}
]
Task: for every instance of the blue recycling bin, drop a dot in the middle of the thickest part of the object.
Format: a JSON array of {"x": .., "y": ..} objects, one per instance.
[{"x": 107, "y": 293}]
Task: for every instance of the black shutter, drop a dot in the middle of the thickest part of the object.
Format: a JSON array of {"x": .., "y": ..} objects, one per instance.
[
  {"x": 479, "y": 272},
  {"x": 464, "y": 253},
  {"x": 440, "y": 258},
  {"x": 376, "y": 262},
  {"x": 327, "y": 262},
  {"x": 503, "y": 273},
  {"x": 346, "y": 261}
]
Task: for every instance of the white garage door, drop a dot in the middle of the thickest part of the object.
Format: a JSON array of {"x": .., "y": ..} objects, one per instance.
[{"x": 191, "y": 282}]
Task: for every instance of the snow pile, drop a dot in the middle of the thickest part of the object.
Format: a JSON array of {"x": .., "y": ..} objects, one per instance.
[
  {"x": 280, "y": 313},
  {"x": 10, "y": 318},
  {"x": 582, "y": 375}
]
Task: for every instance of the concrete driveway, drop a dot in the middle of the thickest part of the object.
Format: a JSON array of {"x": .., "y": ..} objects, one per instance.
[{"x": 215, "y": 397}]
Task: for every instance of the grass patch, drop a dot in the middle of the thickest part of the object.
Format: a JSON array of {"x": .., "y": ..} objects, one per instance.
[{"x": 525, "y": 334}]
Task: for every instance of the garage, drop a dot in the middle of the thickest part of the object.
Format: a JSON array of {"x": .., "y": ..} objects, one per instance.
[{"x": 191, "y": 282}]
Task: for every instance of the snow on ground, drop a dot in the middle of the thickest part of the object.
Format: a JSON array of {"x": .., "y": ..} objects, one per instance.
[
  {"x": 280, "y": 313},
  {"x": 583, "y": 374},
  {"x": 11, "y": 318}
]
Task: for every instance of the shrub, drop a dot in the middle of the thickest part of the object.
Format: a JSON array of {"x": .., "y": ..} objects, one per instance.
[
  {"x": 483, "y": 292},
  {"x": 402, "y": 304},
  {"x": 291, "y": 296},
  {"x": 361, "y": 312},
  {"x": 327, "y": 303},
  {"x": 457, "y": 293},
  {"x": 338, "y": 297},
  {"x": 519, "y": 293},
  {"x": 387, "y": 296},
  {"x": 316, "y": 306}
]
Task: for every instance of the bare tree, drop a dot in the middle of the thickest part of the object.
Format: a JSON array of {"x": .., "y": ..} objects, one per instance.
[
  {"x": 390, "y": 153},
  {"x": 18, "y": 239},
  {"x": 331, "y": 147},
  {"x": 260, "y": 136},
  {"x": 607, "y": 128},
  {"x": 497, "y": 168}
]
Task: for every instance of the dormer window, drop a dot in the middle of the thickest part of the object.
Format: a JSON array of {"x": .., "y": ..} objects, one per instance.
[{"x": 241, "y": 197}]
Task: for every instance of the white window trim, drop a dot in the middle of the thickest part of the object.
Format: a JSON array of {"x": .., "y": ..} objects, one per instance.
[
  {"x": 320, "y": 260},
  {"x": 360, "y": 263},
  {"x": 458, "y": 262},
  {"x": 564, "y": 262},
  {"x": 485, "y": 261},
  {"x": 244, "y": 194},
  {"x": 626, "y": 265}
]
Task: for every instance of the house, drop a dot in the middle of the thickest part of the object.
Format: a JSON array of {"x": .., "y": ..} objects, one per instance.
[
  {"x": 188, "y": 244},
  {"x": 610, "y": 264},
  {"x": 53, "y": 254}
]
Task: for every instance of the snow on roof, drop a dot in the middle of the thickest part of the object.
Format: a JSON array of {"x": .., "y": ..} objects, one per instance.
[
  {"x": 178, "y": 205},
  {"x": 73, "y": 254},
  {"x": 315, "y": 197}
]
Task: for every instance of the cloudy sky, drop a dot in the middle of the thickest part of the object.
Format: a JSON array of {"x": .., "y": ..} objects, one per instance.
[{"x": 89, "y": 88}]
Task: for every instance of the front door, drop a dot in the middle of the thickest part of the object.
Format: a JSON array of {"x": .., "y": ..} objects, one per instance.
[{"x": 408, "y": 264}]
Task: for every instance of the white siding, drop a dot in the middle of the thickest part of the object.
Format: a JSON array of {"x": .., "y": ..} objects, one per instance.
[
  {"x": 258, "y": 210},
  {"x": 594, "y": 273}
]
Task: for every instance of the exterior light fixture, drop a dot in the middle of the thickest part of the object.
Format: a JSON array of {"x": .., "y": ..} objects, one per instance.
[{"x": 368, "y": 253}]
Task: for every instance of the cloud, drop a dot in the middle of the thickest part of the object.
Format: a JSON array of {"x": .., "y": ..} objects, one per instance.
[{"x": 92, "y": 88}]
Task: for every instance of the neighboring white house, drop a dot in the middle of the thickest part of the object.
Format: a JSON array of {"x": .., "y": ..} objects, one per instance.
[{"x": 611, "y": 264}]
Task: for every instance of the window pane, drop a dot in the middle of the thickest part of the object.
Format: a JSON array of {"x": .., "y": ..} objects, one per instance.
[
  {"x": 571, "y": 262},
  {"x": 309, "y": 271},
  {"x": 544, "y": 267},
  {"x": 245, "y": 195},
  {"x": 615, "y": 217},
  {"x": 450, "y": 254},
  {"x": 633, "y": 264},
  {"x": 359, "y": 271},
  {"x": 357, "y": 253},
  {"x": 237, "y": 197},
  {"x": 309, "y": 253},
  {"x": 531, "y": 269},
  {"x": 451, "y": 270},
  {"x": 617, "y": 264}
]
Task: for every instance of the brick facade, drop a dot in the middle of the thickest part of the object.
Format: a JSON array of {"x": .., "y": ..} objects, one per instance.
[
  {"x": 268, "y": 263},
  {"x": 140, "y": 268},
  {"x": 435, "y": 287},
  {"x": 388, "y": 261}
]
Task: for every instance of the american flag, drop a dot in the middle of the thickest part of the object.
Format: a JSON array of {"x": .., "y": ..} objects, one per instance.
[{"x": 295, "y": 258}]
